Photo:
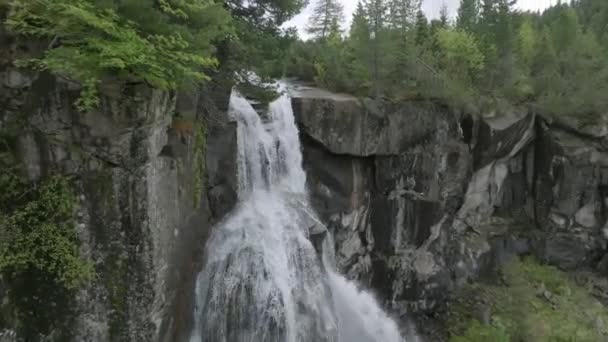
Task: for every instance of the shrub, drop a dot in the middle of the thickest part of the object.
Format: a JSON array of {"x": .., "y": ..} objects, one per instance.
[
  {"x": 168, "y": 45},
  {"x": 40, "y": 262},
  {"x": 38, "y": 233}
]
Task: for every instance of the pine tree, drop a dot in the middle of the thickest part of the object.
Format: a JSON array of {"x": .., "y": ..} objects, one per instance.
[
  {"x": 444, "y": 15},
  {"x": 359, "y": 44},
  {"x": 359, "y": 29},
  {"x": 401, "y": 19},
  {"x": 566, "y": 29},
  {"x": 498, "y": 42},
  {"x": 594, "y": 17},
  {"x": 505, "y": 31},
  {"x": 468, "y": 15},
  {"x": 402, "y": 14},
  {"x": 422, "y": 29},
  {"x": 326, "y": 14},
  {"x": 259, "y": 14},
  {"x": 487, "y": 19},
  {"x": 496, "y": 22},
  {"x": 377, "y": 14},
  {"x": 526, "y": 42}
]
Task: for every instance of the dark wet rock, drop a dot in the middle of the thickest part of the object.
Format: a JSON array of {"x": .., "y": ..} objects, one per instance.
[
  {"x": 421, "y": 200},
  {"x": 384, "y": 195},
  {"x": 571, "y": 196},
  {"x": 221, "y": 167}
]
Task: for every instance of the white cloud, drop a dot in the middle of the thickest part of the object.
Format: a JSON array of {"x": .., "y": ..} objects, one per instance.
[{"x": 431, "y": 8}]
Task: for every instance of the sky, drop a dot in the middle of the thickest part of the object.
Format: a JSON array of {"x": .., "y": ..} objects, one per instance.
[{"x": 431, "y": 7}]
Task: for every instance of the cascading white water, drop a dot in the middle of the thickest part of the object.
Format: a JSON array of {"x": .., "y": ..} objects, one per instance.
[{"x": 263, "y": 279}]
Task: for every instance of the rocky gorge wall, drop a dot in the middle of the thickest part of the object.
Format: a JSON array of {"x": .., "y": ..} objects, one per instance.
[
  {"x": 148, "y": 189},
  {"x": 421, "y": 199}
]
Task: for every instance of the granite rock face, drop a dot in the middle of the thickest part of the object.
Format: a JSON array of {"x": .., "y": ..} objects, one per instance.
[
  {"x": 571, "y": 197},
  {"x": 387, "y": 203},
  {"x": 420, "y": 199},
  {"x": 371, "y": 130},
  {"x": 141, "y": 219}
]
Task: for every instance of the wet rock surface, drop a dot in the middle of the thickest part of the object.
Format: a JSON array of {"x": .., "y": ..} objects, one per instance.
[{"x": 421, "y": 200}]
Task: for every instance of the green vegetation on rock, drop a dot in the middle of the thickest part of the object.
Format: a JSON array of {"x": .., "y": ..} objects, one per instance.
[
  {"x": 199, "y": 162},
  {"x": 477, "y": 332},
  {"x": 38, "y": 232},
  {"x": 40, "y": 260},
  {"x": 532, "y": 302},
  {"x": 165, "y": 43},
  {"x": 169, "y": 44}
]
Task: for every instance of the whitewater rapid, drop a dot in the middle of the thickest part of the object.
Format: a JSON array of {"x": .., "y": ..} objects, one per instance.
[{"x": 263, "y": 279}]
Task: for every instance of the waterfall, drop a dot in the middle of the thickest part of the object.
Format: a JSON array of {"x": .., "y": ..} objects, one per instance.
[{"x": 263, "y": 279}]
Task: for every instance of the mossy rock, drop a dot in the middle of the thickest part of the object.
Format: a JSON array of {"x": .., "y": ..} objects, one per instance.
[
  {"x": 40, "y": 265},
  {"x": 535, "y": 302}
]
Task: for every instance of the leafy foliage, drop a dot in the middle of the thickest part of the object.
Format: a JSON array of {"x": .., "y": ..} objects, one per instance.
[
  {"x": 167, "y": 46},
  {"x": 460, "y": 54},
  {"x": 38, "y": 232},
  {"x": 170, "y": 44},
  {"x": 40, "y": 262}
]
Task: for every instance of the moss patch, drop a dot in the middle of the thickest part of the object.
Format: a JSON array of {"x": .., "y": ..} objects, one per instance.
[
  {"x": 478, "y": 332},
  {"x": 199, "y": 162},
  {"x": 39, "y": 251},
  {"x": 534, "y": 302}
]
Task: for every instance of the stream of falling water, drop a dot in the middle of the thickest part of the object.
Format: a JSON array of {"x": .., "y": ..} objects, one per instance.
[{"x": 263, "y": 279}]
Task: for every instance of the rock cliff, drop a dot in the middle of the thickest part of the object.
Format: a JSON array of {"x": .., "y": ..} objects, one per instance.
[
  {"x": 422, "y": 199},
  {"x": 148, "y": 189}
]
